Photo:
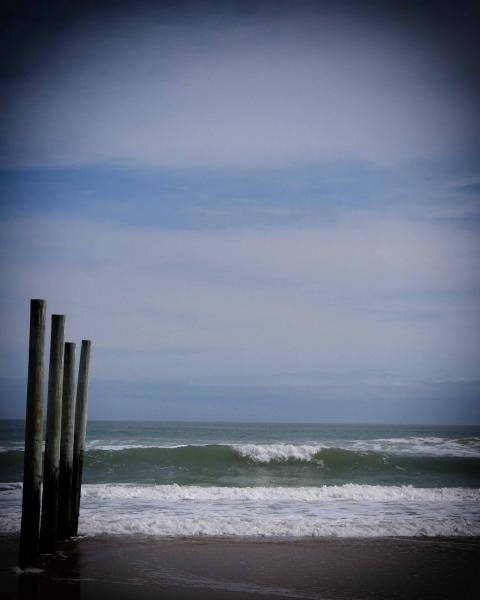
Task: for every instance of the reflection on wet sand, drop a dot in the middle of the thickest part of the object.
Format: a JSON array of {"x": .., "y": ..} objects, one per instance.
[
  {"x": 58, "y": 578},
  {"x": 132, "y": 567}
]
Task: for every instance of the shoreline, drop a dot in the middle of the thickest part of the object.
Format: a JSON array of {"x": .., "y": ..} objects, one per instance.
[{"x": 125, "y": 567}]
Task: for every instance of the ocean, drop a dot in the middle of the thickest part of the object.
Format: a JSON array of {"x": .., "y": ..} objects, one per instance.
[{"x": 278, "y": 480}]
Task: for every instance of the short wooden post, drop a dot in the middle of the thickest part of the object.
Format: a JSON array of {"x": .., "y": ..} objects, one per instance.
[
  {"x": 51, "y": 466},
  {"x": 66, "y": 443},
  {"x": 80, "y": 430},
  {"x": 32, "y": 469}
]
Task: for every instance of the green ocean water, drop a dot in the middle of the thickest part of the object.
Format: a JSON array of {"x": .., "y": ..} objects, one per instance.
[
  {"x": 243, "y": 454},
  {"x": 278, "y": 480}
]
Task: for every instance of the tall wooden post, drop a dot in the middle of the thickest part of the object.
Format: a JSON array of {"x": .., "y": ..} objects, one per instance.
[
  {"x": 32, "y": 469},
  {"x": 66, "y": 443},
  {"x": 51, "y": 466},
  {"x": 80, "y": 430}
]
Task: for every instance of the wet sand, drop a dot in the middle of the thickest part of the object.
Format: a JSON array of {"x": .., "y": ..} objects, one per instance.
[{"x": 128, "y": 567}]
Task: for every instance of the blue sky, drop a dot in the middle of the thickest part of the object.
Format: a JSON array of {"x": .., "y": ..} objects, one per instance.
[{"x": 255, "y": 210}]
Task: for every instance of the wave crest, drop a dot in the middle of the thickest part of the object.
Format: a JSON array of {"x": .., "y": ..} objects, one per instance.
[{"x": 265, "y": 453}]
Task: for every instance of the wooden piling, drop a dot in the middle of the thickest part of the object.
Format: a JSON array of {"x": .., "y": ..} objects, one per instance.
[
  {"x": 80, "y": 430},
  {"x": 51, "y": 466},
  {"x": 66, "y": 443},
  {"x": 32, "y": 469}
]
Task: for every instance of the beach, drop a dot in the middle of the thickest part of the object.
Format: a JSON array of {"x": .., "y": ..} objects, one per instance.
[{"x": 126, "y": 567}]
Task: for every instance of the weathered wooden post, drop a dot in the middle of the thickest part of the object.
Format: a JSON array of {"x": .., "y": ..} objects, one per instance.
[
  {"x": 80, "y": 430},
  {"x": 32, "y": 469},
  {"x": 66, "y": 443},
  {"x": 51, "y": 466}
]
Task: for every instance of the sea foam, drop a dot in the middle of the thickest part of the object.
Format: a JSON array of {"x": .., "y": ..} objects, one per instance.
[
  {"x": 336, "y": 511},
  {"x": 324, "y": 493}
]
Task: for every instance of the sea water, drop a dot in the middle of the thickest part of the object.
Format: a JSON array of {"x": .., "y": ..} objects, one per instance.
[{"x": 246, "y": 479}]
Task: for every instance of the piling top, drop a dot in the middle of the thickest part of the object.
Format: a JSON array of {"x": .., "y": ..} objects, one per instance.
[{"x": 36, "y": 304}]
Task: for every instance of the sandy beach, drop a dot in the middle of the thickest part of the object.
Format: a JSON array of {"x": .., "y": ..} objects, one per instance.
[{"x": 126, "y": 567}]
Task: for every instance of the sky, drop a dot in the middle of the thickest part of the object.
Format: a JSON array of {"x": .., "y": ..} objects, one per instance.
[{"x": 256, "y": 210}]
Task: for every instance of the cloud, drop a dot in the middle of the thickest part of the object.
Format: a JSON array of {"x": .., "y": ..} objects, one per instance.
[
  {"x": 231, "y": 90},
  {"x": 183, "y": 305}
]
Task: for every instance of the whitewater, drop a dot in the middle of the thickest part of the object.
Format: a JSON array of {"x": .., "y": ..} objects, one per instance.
[{"x": 267, "y": 480}]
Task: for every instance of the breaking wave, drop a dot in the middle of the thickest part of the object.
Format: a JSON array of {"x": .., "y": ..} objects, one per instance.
[
  {"x": 327, "y": 511},
  {"x": 266, "y": 464}
]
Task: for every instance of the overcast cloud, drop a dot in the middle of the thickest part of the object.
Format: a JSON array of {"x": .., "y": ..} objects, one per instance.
[
  {"x": 218, "y": 88},
  {"x": 367, "y": 295}
]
